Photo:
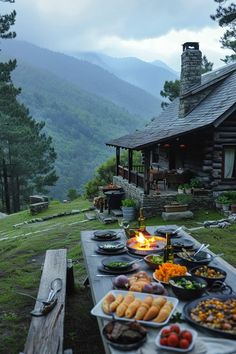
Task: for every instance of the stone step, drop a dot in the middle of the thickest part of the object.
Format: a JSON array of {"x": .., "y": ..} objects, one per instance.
[
  {"x": 117, "y": 213},
  {"x": 177, "y": 215},
  {"x": 90, "y": 216}
]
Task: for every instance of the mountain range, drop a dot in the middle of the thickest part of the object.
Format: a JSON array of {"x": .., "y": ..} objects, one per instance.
[{"x": 83, "y": 105}]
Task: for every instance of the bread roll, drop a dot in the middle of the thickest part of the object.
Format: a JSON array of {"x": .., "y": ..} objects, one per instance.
[
  {"x": 164, "y": 312},
  {"x": 132, "y": 308},
  {"x": 155, "y": 308},
  {"x": 143, "y": 308},
  {"x": 106, "y": 303},
  {"x": 139, "y": 285},
  {"x": 119, "y": 298},
  {"x": 120, "y": 310}
]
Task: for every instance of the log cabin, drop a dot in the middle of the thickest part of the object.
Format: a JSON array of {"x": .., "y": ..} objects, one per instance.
[{"x": 194, "y": 136}]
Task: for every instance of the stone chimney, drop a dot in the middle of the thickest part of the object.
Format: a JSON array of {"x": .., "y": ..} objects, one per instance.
[{"x": 191, "y": 61}]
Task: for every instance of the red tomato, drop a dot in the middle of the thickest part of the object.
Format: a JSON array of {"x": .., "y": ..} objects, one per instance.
[
  {"x": 184, "y": 343},
  {"x": 173, "y": 340},
  {"x": 175, "y": 328},
  {"x": 165, "y": 333},
  {"x": 164, "y": 341},
  {"x": 186, "y": 335}
]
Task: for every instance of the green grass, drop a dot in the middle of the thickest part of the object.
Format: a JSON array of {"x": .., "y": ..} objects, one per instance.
[{"x": 22, "y": 254}]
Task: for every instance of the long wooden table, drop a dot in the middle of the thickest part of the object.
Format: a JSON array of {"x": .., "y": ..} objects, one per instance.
[{"x": 101, "y": 285}]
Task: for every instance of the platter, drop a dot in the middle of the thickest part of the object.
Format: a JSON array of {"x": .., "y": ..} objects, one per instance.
[
  {"x": 111, "y": 247},
  {"x": 100, "y": 239},
  {"x": 97, "y": 309},
  {"x": 182, "y": 243},
  {"x": 108, "y": 253},
  {"x": 189, "y": 307},
  {"x": 163, "y": 230},
  {"x": 104, "y": 234},
  {"x": 134, "y": 267}
]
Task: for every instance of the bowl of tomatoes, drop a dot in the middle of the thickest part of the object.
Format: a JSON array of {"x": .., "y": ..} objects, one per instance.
[{"x": 176, "y": 338}]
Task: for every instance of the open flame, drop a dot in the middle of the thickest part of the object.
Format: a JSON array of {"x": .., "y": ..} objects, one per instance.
[{"x": 145, "y": 242}]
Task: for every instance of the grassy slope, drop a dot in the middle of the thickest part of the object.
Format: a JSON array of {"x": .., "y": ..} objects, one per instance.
[{"x": 21, "y": 257}]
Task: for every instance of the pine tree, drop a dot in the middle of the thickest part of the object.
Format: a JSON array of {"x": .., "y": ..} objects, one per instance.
[
  {"x": 226, "y": 17},
  {"x": 26, "y": 154}
]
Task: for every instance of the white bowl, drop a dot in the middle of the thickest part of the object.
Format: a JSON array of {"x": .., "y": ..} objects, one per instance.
[{"x": 174, "y": 349}]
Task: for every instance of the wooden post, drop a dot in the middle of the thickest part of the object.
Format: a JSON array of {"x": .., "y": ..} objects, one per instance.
[
  {"x": 117, "y": 160},
  {"x": 130, "y": 164},
  {"x": 146, "y": 171}
]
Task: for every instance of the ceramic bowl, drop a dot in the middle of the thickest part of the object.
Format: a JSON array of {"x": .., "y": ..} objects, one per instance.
[
  {"x": 150, "y": 260},
  {"x": 200, "y": 270},
  {"x": 185, "y": 293}
]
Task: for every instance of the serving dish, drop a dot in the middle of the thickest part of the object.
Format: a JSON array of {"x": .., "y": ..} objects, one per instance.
[
  {"x": 104, "y": 234},
  {"x": 111, "y": 246},
  {"x": 180, "y": 243},
  {"x": 204, "y": 321},
  {"x": 134, "y": 267},
  {"x": 188, "y": 287},
  {"x": 168, "y": 270},
  {"x": 115, "y": 333},
  {"x": 172, "y": 230},
  {"x": 154, "y": 260},
  {"x": 176, "y": 349},
  {"x": 201, "y": 258},
  {"x": 118, "y": 263},
  {"x": 209, "y": 273},
  {"x": 97, "y": 309}
]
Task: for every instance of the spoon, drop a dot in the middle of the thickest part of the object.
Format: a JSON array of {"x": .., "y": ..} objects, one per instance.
[{"x": 201, "y": 248}]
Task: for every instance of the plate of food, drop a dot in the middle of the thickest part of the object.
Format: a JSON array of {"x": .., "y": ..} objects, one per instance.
[
  {"x": 105, "y": 235},
  {"x": 147, "y": 309},
  {"x": 204, "y": 314},
  {"x": 176, "y": 338},
  {"x": 111, "y": 246},
  {"x": 182, "y": 243},
  {"x": 139, "y": 282},
  {"x": 168, "y": 270}
]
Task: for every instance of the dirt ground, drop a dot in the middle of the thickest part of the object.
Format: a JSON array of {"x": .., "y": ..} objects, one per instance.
[{"x": 81, "y": 329}]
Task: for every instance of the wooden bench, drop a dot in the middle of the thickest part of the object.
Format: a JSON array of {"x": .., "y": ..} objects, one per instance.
[
  {"x": 46, "y": 333},
  {"x": 37, "y": 207}
]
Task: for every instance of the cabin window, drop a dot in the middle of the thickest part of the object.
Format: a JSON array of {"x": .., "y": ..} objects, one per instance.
[{"x": 230, "y": 162}]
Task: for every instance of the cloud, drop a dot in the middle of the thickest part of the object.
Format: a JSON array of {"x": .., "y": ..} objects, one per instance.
[{"x": 150, "y": 29}]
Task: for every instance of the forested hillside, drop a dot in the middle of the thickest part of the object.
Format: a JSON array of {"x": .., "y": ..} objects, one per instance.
[
  {"x": 80, "y": 123},
  {"x": 87, "y": 76},
  {"x": 148, "y": 76}
]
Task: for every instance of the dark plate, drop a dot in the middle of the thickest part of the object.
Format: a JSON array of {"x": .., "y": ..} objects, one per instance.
[
  {"x": 188, "y": 307},
  {"x": 100, "y": 251},
  {"x": 114, "y": 238},
  {"x": 107, "y": 261},
  {"x": 134, "y": 267},
  {"x": 182, "y": 243},
  {"x": 163, "y": 230},
  {"x": 104, "y": 234},
  {"x": 111, "y": 247},
  {"x": 200, "y": 259},
  {"x": 121, "y": 346}
]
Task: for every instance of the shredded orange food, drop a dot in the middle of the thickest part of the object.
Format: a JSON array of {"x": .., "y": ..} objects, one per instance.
[{"x": 168, "y": 270}]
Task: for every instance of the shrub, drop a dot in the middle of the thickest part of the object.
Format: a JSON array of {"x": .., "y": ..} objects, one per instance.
[
  {"x": 184, "y": 198},
  {"x": 72, "y": 194},
  {"x": 195, "y": 183},
  {"x": 222, "y": 199},
  {"x": 128, "y": 203}
]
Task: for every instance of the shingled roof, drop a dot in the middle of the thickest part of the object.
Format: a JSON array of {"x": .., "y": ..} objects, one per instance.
[{"x": 211, "y": 111}]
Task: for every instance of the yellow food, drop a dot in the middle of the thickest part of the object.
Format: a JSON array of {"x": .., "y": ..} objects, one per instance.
[
  {"x": 106, "y": 303},
  {"x": 143, "y": 309},
  {"x": 116, "y": 302},
  {"x": 164, "y": 312},
  {"x": 132, "y": 308},
  {"x": 168, "y": 270},
  {"x": 120, "y": 311},
  {"x": 155, "y": 308}
]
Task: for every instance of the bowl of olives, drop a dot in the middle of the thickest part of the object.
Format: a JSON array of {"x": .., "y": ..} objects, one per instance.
[{"x": 209, "y": 273}]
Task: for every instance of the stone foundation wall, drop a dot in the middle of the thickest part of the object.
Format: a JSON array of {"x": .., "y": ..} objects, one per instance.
[{"x": 154, "y": 204}]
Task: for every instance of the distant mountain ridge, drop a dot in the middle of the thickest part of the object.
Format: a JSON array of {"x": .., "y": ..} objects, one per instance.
[
  {"x": 86, "y": 76},
  {"x": 148, "y": 76}
]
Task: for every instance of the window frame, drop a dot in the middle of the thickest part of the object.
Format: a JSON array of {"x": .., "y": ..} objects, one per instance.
[{"x": 223, "y": 178}]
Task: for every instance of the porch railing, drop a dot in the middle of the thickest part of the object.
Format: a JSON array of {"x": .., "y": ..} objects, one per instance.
[{"x": 136, "y": 177}]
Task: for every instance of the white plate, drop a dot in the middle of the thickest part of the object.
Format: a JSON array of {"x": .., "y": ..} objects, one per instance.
[
  {"x": 179, "y": 350},
  {"x": 97, "y": 310}
]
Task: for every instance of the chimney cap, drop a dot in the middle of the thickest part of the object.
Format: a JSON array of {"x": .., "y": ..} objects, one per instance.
[{"x": 190, "y": 46}]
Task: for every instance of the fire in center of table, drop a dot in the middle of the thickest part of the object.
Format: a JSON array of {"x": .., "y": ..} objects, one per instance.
[{"x": 143, "y": 245}]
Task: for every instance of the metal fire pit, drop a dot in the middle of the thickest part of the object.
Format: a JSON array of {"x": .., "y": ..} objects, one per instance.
[{"x": 156, "y": 244}]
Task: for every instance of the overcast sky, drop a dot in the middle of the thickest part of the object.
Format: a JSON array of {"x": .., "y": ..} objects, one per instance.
[{"x": 147, "y": 29}]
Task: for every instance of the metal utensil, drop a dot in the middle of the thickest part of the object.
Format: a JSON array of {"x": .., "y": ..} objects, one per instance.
[{"x": 200, "y": 249}]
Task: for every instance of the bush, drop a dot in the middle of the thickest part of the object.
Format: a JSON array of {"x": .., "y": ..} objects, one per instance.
[
  {"x": 72, "y": 194},
  {"x": 223, "y": 199},
  {"x": 128, "y": 203},
  {"x": 184, "y": 198},
  {"x": 195, "y": 183},
  {"x": 231, "y": 196}
]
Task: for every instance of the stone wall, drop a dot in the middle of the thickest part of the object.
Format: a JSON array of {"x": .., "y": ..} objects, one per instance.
[{"x": 154, "y": 204}]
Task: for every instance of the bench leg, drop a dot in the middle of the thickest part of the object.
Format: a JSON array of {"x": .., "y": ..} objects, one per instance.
[
  {"x": 70, "y": 282},
  {"x": 86, "y": 282}
]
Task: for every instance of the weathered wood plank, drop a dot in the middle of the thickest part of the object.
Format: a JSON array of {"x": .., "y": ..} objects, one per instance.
[{"x": 45, "y": 335}]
